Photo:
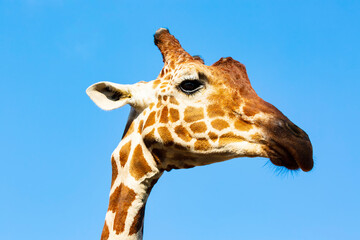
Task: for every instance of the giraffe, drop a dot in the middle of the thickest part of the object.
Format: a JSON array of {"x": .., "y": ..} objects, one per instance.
[{"x": 190, "y": 115}]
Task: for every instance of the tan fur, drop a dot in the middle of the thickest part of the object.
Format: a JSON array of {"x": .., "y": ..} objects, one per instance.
[
  {"x": 150, "y": 120},
  {"x": 105, "y": 233},
  {"x": 219, "y": 124},
  {"x": 214, "y": 110},
  {"x": 174, "y": 115},
  {"x": 138, "y": 166},
  {"x": 114, "y": 170},
  {"x": 165, "y": 136},
  {"x": 198, "y": 127},
  {"x": 202, "y": 144},
  {"x": 164, "y": 115},
  {"x": 183, "y": 133},
  {"x": 193, "y": 114},
  {"x": 124, "y": 153},
  {"x": 119, "y": 203}
]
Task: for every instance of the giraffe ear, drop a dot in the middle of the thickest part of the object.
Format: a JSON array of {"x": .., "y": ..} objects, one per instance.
[{"x": 109, "y": 96}]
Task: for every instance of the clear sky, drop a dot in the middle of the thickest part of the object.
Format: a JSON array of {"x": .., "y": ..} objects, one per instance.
[{"x": 302, "y": 56}]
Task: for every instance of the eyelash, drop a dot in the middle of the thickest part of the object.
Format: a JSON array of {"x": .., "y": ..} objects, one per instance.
[{"x": 190, "y": 86}]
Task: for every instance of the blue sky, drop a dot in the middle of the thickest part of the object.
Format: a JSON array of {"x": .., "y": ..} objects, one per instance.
[{"x": 302, "y": 56}]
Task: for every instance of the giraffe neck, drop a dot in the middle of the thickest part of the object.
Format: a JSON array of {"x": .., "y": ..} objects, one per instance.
[{"x": 134, "y": 173}]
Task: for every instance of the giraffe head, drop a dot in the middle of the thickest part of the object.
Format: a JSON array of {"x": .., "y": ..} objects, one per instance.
[{"x": 194, "y": 114}]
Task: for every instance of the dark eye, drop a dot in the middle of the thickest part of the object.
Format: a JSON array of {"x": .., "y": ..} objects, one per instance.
[{"x": 190, "y": 86}]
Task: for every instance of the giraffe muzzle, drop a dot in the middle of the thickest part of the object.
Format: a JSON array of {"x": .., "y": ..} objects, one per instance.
[{"x": 290, "y": 146}]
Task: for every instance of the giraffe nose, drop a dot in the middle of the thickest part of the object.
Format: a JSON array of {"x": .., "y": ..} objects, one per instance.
[
  {"x": 290, "y": 145},
  {"x": 287, "y": 125}
]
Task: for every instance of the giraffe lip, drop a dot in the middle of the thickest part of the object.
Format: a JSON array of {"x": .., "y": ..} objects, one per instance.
[
  {"x": 280, "y": 156},
  {"x": 292, "y": 155},
  {"x": 289, "y": 145}
]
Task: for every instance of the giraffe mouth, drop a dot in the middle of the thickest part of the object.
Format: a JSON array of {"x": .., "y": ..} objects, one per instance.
[
  {"x": 292, "y": 155},
  {"x": 280, "y": 156}
]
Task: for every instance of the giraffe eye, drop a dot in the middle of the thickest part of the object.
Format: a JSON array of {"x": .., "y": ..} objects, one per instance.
[{"x": 190, "y": 86}]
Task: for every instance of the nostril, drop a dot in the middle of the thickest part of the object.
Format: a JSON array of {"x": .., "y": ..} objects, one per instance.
[{"x": 294, "y": 129}]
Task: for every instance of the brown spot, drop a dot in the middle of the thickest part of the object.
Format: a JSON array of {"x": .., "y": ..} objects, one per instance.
[
  {"x": 229, "y": 138},
  {"x": 219, "y": 124},
  {"x": 182, "y": 133},
  {"x": 172, "y": 65},
  {"x": 165, "y": 98},
  {"x": 213, "y": 136},
  {"x": 214, "y": 110},
  {"x": 168, "y": 77},
  {"x": 162, "y": 73},
  {"x": 174, "y": 115},
  {"x": 105, "y": 233},
  {"x": 138, "y": 166},
  {"x": 192, "y": 114},
  {"x": 124, "y": 153},
  {"x": 241, "y": 125},
  {"x": 150, "y": 120},
  {"x": 165, "y": 136},
  {"x": 159, "y": 97},
  {"x": 257, "y": 137},
  {"x": 198, "y": 127},
  {"x": 151, "y": 105},
  {"x": 149, "y": 139},
  {"x": 114, "y": 170},
  {"x": 163, "y": 84},
  {"x": 159, "y": 104},
  {"x": 202, "y": 144},
  {"x": 136, "y": 226},
  {"x": 157, "y": 82},
  {"x": 119, "y": 203},
  {"x": 231, "y": 115},
  {"x": 164, "y": 115},
  {"x": 250, "y": 111},
  {"x": 140, "y": 126},
  {"x": 173, "y": 100}
]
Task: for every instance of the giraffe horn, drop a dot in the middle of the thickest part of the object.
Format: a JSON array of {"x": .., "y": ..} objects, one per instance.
[{"x": 170, "y": 47}]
